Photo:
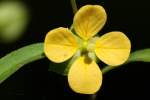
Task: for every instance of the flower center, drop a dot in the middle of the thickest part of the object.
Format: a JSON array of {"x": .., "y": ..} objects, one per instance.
[
  {"x": 87, "y": 47},
  {"x": 84, "y": 47}
]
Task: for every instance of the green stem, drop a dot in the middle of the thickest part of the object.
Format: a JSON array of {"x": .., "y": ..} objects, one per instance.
[
  {"x": 74, "y": 6},
  {"x": 107, "y": 69},
  {"x": 75, "y": 9}
]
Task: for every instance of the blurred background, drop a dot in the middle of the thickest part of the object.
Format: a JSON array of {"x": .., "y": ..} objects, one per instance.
[{"x": 23, "y": 22}]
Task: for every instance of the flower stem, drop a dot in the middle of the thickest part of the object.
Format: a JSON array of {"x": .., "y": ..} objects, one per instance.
[
  {"x": 107, "y": 69},
  {"x": 74, "y": 6}
]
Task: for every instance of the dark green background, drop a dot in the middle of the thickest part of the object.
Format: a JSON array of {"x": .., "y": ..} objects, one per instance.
[{"x": 33, "y": 81}]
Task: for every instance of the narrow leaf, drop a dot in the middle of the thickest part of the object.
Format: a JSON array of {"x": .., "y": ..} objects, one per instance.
[
  {"x": 140, "y": 55},
  {"x": 59, "y": 68},
  {"x": 16, "y": 59}
]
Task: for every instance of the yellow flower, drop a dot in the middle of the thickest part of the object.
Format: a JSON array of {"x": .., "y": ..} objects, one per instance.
[{"x": 61, "y": 44}]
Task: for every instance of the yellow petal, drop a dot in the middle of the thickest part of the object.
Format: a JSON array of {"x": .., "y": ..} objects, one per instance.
[
  {"x": 89, "y": 20},
  {"x": 85, "y": 76},
  {"x": 113, "y": 48},
  {"x": 60, "y": 45}
]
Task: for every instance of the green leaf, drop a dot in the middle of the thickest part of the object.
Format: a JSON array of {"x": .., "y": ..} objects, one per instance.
[
  {"x": 16, "y": 59},
  {"x": 60, "y": 68},
  {"x": 140, "y": 55}
]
